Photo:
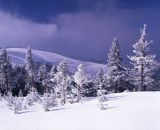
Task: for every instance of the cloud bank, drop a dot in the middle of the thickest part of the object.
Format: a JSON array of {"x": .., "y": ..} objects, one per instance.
[
  {"x": 15, "y": 31},
  {"x": 84, "y": 34}
]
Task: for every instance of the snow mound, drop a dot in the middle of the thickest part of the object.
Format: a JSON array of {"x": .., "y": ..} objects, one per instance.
[{"x": 125, "y": 111}]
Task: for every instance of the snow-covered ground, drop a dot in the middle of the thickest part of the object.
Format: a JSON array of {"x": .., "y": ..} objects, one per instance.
[{"x": 125, "y": 111}]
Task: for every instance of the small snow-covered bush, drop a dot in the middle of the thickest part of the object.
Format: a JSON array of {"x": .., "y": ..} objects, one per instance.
[
  {"x": 32, "y": 97},
  {"x": 101, "y": 99},
  {"x": 9, "y": 99},
  {"x": 17, "y": 105},
  {"x": 48, "y": 101}
]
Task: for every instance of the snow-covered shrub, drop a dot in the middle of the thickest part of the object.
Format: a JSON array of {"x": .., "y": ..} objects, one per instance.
[
  {"x": 10, "y": 99},
  {"x": 31, "y": 98},
  {"x": 17, "y": 105},
  {"x": 49, "y": 101},
  {"x": 33, "y": 94},
  {"x": 101, "y": 98},
  {"x": 27, "y": 102}
]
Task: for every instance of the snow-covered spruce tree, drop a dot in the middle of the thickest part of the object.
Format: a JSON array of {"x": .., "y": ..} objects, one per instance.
[
  {"x": 42, "y": 72},
  {"x": 115, "y": 69},
  {"x": 43, "y": 77},
  {"x": 6, "y": 71},
  {"x": 62, "y": 80},
  {"x": 100, "y": 83},
  {"x": 81, "y": 79},
  {"x": 143, "y": 63},
  {"x": 30, "y": 70},
  {"x": 51, "y": 84}
]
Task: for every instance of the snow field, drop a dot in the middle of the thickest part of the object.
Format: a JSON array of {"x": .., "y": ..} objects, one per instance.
[{"x": 125, "y": 111}]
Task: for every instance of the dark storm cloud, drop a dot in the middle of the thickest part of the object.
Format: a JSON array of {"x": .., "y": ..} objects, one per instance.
[
  {"x": 21, "y": 32},
  {"x": 77, "y": 28},
  {"x": 90, "y": 34},
  {"x": 137, "y": 3},
  {"x": 42, "y": 10}
]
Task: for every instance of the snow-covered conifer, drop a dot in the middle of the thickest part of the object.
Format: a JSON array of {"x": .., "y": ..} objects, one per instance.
[
  {"x": 30, "y": 70},
  {"x": 81, "y": 79},
  {"x": 62, "y": 80},
  {"x": 43, "y": 77},
  {"x": 50, "y": 84},
  {"x": 115, "y": 68},
  {"x": 143, "y": 62},
  {"x": 6, "y": 78},
  {"x": 100, "y": 81},
  {"x": 42, "y": 72},
  {"x": 46, "y": 101},
  {"x": 29, "y": 63},
  {"x": 101, "y": 98}
]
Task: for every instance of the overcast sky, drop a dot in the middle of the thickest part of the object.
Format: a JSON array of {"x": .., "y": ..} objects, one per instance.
[{"x": 81, "y": 29}]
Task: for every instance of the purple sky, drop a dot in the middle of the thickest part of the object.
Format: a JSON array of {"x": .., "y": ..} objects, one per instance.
[{"x": 85, "y": 33}]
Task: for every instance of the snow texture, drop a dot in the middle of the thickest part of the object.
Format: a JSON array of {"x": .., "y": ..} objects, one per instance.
[{"x": 125, "y": 111}]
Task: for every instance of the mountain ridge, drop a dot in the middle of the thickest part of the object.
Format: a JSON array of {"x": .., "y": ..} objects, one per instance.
[{"x": 18, "y": 57}]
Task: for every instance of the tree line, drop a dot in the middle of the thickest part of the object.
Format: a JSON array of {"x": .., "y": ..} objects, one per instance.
[{"x": 58, "y": 80}]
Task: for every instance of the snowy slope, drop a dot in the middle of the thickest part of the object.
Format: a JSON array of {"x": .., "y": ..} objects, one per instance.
[
  {"x": 126, "y": 111},
  {"x": 18, "y": 55}
]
